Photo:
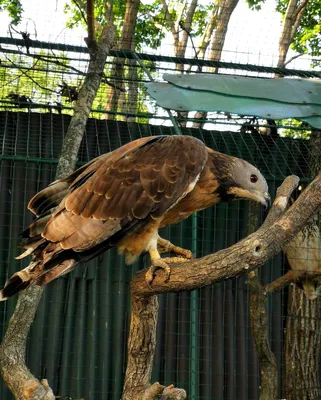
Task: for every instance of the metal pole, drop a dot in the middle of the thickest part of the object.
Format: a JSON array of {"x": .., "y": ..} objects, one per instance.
[{"x": 171, "y": 116}]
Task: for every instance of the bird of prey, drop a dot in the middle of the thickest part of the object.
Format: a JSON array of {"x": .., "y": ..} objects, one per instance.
[{"x": 122, "y": 199}]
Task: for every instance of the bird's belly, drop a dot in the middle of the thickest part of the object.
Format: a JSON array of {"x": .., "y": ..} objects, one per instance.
[{"x": 134, "y": 244}]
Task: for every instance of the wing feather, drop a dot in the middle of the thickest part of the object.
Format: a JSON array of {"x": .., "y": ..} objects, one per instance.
[{"x": 127, "y": 189}]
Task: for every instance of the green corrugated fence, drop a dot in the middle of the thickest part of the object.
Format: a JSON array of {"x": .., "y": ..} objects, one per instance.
[{"x": 78, "y": 340}]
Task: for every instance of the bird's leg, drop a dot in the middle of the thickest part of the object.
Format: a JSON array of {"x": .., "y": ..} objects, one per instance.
[
  {"x": 160, "y": 263},
  {"x": 167, "y": 247}
]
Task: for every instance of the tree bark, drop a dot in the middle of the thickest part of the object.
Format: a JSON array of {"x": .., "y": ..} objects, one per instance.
[
  {"x": 13, "y": 348},
  {"x": 243, "y": 257},
  {"x": 260, "y": 332},
  {"x": 302, "y": 347},
  {"x": 126, "y": 42},
  {"x": 225, "y": 10},
  {"x": 259, "y": 317},
  {"x": 131, "y": 105},
  {"x": 181, "y": 30},
  {"x": 98, "y": 54},
  {"x": 14, "y": 372},
  {"x": 303, "y": 326},
  {"x": 290, "y": 26},
  {"x": 258, "y": 298}
]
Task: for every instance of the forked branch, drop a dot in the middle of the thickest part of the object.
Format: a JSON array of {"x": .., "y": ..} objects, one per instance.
[{"x": 241, "y": 258}]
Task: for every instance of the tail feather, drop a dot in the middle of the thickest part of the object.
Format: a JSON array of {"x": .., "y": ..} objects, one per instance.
[
  {"x": 36, "y": 273},
  {"x": 13, "y": 286}
]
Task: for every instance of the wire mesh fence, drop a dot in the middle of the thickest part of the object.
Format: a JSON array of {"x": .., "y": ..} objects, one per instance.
[{"x": 79, "y": 338}]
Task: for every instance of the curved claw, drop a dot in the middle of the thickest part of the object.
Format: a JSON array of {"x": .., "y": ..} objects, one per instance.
[
  {"x": 157, "y": 264},
  {"x": 161, "y": 263},
  {"x": 166, "y": 246}
]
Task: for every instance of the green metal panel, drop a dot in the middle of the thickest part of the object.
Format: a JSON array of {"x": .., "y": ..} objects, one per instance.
[
  {"x": 264, "y": 98},
  {"x": 78, "y": 340}
]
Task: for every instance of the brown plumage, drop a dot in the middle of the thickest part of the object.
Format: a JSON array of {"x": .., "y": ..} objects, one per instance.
[{"x": 122, "y": 198}]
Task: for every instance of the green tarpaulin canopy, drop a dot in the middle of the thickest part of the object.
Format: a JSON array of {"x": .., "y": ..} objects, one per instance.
[{"x": 264, "y": 98}]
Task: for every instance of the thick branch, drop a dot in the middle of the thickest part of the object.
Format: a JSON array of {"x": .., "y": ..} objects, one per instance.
[
  {"x": 258, "y": 313},
  {"x": 260, "y": 332},
  {"x": 289, "y": 278},
  {"x": 282, "y": 198},
  {"x": 98, "y": 54},
  {"x": 15, "y": 373},
  {"x": 169, "y": 18},
  {"x": 187, "y": 29},
  {"x": 279, "y": 283},
  {"x": 243, "y": 257},
  {"x": 90, "y": 20},
  {"x": 292, "y": 18}
]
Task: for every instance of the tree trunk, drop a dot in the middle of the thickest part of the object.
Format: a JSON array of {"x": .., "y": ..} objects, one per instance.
[
  {"x": 129, "y": 105},
  {"x": 290, "y": 26},
  {"x": 260, "y": 332},
  {"x": 225, "y": 10},
  {"x": 303, "y": 326},
  {"x": 181, "y": 32},
  {"x": 141, "y": 346},
  {"x": 13, "y": 348},
  {"x": 127, "y": 42},
  {"x": 302, "y": 347}
]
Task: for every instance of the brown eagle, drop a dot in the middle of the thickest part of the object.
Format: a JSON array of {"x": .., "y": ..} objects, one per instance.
[{"x": 122, "y": 199}]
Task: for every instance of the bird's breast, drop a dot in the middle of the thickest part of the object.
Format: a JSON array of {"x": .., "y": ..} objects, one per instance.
[{"x": 133, "y": 244}]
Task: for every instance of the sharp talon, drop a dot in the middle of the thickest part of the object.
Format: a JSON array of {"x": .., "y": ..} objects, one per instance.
[
  {"x": 157, "y": 264},
  {"x": 166, "y": 246}
]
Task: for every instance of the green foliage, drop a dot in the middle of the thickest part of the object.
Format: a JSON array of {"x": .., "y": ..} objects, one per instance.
[
  {"x": 149, "y": 20},
  {"x": 300, "y": 130},
  {"x": 26, "y": 81},
  {"x": 255, "y": 4},
  {"x": 14, "y": 8},
  {"x": 307, "y": 39},
  {"x": 200, "y": 19}
]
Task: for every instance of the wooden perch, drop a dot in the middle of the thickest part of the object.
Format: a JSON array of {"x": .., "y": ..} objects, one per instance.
[
  {"x": 260, "y": 332},
  {"x": 15, "y": 373},
  {"x": 241, "y": 258}
]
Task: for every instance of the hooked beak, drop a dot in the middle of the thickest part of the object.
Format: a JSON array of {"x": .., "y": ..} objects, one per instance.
[{"x": 266, "y": 200}]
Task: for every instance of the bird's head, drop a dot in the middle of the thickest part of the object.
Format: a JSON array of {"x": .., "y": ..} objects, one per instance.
[
  {"x": 248, "y": 183},
  {"x": 239, "y": 179}
]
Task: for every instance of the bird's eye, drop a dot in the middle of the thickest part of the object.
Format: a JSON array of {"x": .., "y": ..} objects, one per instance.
[{"x": 254, "y": 178}]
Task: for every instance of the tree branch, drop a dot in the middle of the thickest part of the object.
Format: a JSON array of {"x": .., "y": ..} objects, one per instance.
[
  {"x": 292, "y": 59},
  {"x": 179, "y": 16},
  {"x": 279, "y": 283},
  {"x": 15, "y": 373},
  {"x": 190, "y": 15},
  {"x": 81, "y": 10},
  {"x": 243, "y": 257},
  {"x": 169, "y": 18},
  {"x": 300, "y": 9},
  {"x": 258, "y": 298},
  {"x": 90, "y": 20},
  {"x": 260, "y": 332}
]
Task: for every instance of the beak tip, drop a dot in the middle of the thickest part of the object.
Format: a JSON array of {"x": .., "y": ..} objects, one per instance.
[{"x": 267, "y": 201}]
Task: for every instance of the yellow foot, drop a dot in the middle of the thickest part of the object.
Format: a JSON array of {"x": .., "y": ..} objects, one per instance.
[
  {"x": 165, "y": 246},
  {"x": 161, "y": 263}
]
